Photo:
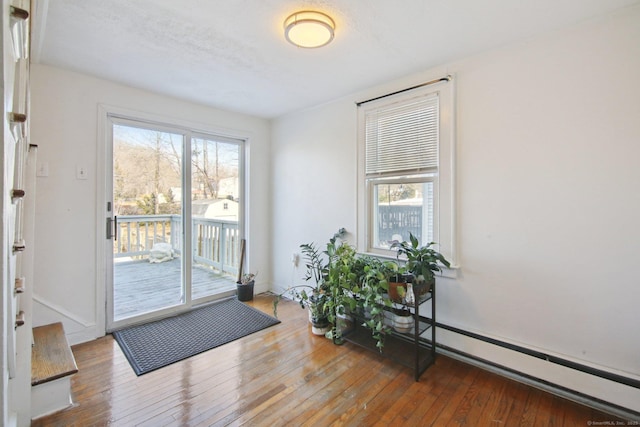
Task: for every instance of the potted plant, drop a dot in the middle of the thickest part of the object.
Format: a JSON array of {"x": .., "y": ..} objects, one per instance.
[
  {"x": 318, "y": 316},
  {"x": 341, "y": 282},
  {"x": 317, "y": 296},
  {"x": 422, "y": 262},
  {"x": 245, "y": 287},
  {"x": 372, "y": 297},
  {"x": 398, "y": 279},
  {"x": 402, "y": 318},
  {"x": 312, "y": 298}
]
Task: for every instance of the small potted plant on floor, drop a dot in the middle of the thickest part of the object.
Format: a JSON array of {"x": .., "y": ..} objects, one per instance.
[
  {"x": 316, "y": 295},
  {"x": 245, "y": 287}
]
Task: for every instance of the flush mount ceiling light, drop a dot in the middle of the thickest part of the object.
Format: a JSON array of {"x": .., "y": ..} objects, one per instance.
[{"x": 309, "y": 29}]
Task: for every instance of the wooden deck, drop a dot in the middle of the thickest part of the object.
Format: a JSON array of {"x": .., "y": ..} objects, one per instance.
[{"x": 140, "y": 286}]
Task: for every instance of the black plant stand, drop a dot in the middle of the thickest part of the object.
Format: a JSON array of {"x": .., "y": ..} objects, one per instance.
[{"x": 416, "y": 349}]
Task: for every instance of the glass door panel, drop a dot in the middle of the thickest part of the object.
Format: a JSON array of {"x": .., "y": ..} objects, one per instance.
[
  {"x": 215, "y": 210},
  {"x": 147, "y": 204}
]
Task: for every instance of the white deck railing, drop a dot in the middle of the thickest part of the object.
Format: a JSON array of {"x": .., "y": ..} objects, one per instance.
[{"x": 215, "y": 242}]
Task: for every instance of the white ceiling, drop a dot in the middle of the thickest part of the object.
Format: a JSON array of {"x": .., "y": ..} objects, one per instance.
[{"x": 231, "y": 54}]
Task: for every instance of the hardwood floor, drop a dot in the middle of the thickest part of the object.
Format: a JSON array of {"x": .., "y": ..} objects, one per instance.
[{"x": 283, "y": 375}]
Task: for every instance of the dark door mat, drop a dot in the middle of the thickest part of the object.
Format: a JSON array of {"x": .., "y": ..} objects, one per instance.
[{"x": 163, "y": 342}]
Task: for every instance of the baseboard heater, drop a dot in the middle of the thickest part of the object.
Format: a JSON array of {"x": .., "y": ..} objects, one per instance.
[{"x": 554, "y": 388}]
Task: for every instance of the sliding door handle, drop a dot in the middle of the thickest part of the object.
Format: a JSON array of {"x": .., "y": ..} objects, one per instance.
[{"x": 112, "y": 228}]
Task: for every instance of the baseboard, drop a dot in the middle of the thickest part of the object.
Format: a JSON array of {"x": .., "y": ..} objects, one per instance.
[
  {"x": 600, "y": 393},
  {"x": 565, "y": 393}
]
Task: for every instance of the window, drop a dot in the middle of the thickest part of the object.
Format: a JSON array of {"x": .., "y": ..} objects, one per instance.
[{"x": 406, "y": 169}]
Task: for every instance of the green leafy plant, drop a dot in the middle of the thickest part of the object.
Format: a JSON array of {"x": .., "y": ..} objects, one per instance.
[
  {"x": 315, "y": 295},
  {"x": 422, "y": 261},
  {"x": 371, "y": 295},
  {"x": 340, "y": 280}
]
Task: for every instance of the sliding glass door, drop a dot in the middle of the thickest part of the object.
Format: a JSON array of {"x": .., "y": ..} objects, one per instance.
[{"x": 170, "y": 252}]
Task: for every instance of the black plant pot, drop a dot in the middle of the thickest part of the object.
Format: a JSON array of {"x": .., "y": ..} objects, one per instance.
[{"x": 245, "y": 292}]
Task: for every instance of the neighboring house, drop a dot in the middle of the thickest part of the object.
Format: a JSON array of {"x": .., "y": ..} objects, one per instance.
[{"x": 215, "y": 209}]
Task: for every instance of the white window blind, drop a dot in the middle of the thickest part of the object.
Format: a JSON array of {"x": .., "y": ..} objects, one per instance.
[{"x": 403, "y": 137}]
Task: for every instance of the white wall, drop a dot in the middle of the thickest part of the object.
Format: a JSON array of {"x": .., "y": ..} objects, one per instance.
[
  {"x": 548, "y": 145},
  {"x": 314, "y": 182},
  {"x": 64, "y": 124}
]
